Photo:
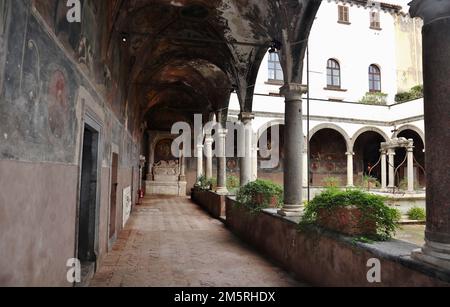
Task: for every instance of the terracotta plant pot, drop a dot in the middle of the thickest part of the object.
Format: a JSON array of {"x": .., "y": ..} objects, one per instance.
[
  {"x": 346, "y": 220},
  {"x": 258, "y": 199}
]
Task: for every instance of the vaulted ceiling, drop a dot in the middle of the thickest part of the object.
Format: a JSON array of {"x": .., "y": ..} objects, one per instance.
[{"x": 187, "y": 56}]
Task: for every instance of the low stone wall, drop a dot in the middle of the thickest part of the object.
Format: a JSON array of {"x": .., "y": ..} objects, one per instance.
[
  {"x": 324, "y": 258},
  {"x": 211, "y": 202}
]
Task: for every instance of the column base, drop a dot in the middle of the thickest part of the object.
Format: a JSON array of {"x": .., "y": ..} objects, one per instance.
[
  {"x": 222, "y": 191},
  {"x": 291, "y": 211},
  {"x": 436, "y": 254}
]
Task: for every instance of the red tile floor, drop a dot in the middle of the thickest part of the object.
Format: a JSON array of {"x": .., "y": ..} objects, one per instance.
[{"x": 170, "y": 242}]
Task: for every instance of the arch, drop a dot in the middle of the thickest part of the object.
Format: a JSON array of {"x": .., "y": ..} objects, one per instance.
[
  {"x": 333, "y": 127},
  {"x": 367, "y": 129},
  {"x": 270, "y": 124},
  {"x": 410, "y": 127}
]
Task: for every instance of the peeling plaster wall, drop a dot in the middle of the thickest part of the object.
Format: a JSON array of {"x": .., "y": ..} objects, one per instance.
[{"x": 45, "y": 95}]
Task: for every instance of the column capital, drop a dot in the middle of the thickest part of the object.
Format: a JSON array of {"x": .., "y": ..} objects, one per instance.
[
  {"x": 246, "y": 117},
  {"x": 430, "y": 10},
  {"x": 391, "y": 152},
  {"x": 293, "y": 91}
]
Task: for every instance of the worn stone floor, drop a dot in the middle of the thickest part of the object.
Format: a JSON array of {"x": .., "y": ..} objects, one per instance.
[
  {"x": 412, "y": 233},
  {"x": 170, "y": 242}
]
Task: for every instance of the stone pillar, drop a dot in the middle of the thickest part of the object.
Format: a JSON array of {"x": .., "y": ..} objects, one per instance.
[
  {"x": 247, "y": 159},
  {"x": 350, "y": 175},
  {"x": 410, "y": 173},
  {"x": 255, "y": 158},
  {"x": 221, "y": 161},
  {"x": 436, "y": 64},
  {"x": 209, "y": 156},
  {"x": 182, "y": 168},
  {"x": 293, "y": 163},
  {"x": 383, "y": 169},
  {"x": 391, "y": 166},
  {"x": 199, "y": 161},
  {"x": 305, "y": 167}
]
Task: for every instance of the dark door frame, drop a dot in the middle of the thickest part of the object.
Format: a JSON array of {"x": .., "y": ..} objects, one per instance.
[
  {"x": 112, "y": 239},
  {"x": 90, "y": 122}
]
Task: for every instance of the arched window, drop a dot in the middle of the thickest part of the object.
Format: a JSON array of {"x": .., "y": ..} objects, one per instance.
[
  {"x": 333, "y": 74},
  {"x": 374, "y": 78}
]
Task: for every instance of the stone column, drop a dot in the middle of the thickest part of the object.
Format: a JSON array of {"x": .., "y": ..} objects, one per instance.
[
  {"x": 305, "y": 166},
  {"x": 182, "y": 168},
  {"x": 255, "y": 158},
  {"x": 391, "y": 167},
  {"x": 221, "y": 161},
  {"x": 350, "y": 175},
  {"x": 209, "y": 156},
  {"x": 293, "y": 164},
  {"x": 436, "y": 64},
  {"x": 199, "y": 160},
  {"x": 247, "y": 159},
  {"x": 383, "y": 169},
  {"x": 410, "y": 173}
]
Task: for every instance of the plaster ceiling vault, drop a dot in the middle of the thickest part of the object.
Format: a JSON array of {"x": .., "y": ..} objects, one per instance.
[{"x": 187, "y": 56}]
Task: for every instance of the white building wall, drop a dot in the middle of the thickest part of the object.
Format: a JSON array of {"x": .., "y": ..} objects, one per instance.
[{"x": 356, "y": 47}]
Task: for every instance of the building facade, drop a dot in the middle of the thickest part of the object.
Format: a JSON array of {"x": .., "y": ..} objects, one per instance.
[{"x": 360, "y": 58}]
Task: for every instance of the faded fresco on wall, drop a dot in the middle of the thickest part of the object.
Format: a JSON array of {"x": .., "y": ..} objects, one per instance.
[{"x": 38, "y": 97}]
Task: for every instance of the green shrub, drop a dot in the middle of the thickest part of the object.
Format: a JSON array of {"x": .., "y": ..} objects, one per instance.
[
  {"x": 417, "y": 214},
  {"x": 374, "y": 98},
  {"x": 233, "y": 183},
  {"x": 398, "y": 215},
  {"x": 265, "y": 189},
  {"x": 372, "y": 208},
  {"x": 370, "y": 181},
  {"x": 206, "y": 184},
  {"x": 331, "y": 182},
  {"x": 415, "y": 93}
]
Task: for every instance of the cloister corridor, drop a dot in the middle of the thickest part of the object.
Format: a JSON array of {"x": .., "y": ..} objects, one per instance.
[{"x": 170, "y": 242}]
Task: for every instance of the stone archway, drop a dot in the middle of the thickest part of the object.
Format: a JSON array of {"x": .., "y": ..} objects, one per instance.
[
  {"x": 413, "y": 128},
  {"x": 338, "y": 129},
  {"x": 366, "y": 146},
  {"x": 328, "y": 148},
  {"x": 419, "y": 155}
]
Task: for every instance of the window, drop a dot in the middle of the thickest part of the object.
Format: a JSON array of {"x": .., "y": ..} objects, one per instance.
[
  {"x": 374, "y": 78},
  {"x": 275, "y": 70},
  {"x": 375, "y": 20},
  {"x": 333, "y": 74},
  {"x": 343, "y": 14}
]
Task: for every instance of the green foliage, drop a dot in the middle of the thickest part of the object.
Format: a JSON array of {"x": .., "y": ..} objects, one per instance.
[
  {"x": 398, "y": 215},
  {"x": 371, "y": 206},
  {"x": 206, "y": 184},
  {"x": 264, "y": 190},
  {"x": 415, "y": 93},
  {"x": 369, "y": 181},
  {"x": 417, "y": 214},
  {"x": 374, "y": 98},
  {"x": 331, "y": 182},
  {"x": 233, "y": 184}
]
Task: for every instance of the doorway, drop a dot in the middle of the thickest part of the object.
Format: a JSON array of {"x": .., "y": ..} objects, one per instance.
[
  {"x": 113, "y": 205},
  {"x": 87, "y": 218}
]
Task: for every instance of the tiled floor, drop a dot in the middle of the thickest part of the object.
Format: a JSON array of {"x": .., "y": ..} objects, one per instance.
[{"x": 171, "y": 242}]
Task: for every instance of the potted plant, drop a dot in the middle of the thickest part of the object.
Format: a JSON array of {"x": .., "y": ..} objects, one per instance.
[
  {"x": 260, "y": 194},
  {"x": 370, "y": 182},
  {"x": 353, "y": 213},
  {"x": 233, "y": 184}
]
